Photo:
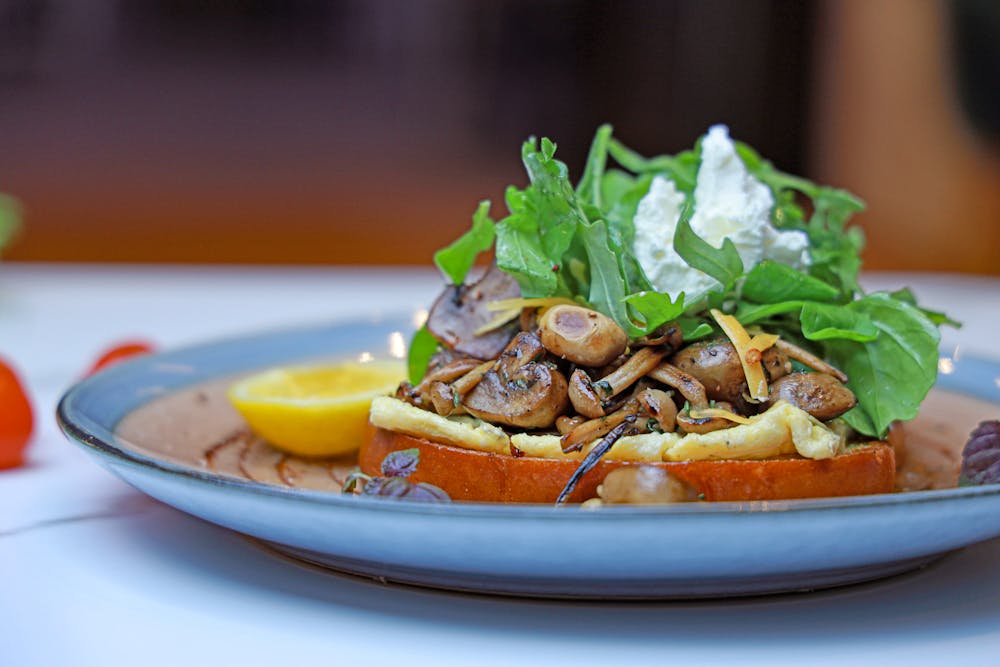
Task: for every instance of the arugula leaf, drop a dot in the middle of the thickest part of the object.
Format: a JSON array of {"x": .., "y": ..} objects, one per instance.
[
  {"x": 682, "y": 168},
  {"x": 834, "y": 249},
  {"x": 937, "y": 317},
  {"x": 694, "y": 328},
  {"x": 771, "y": 282},
  {"x": 749, "y": 314},
  {"x": 655, "y": 308},
  {"x": 589, "y": 189},
  {"x": 821, "y": 321},
  {"x": 551, "y": 199},
  {"x": 455, "y": 260},
  {"x": 519, "y": 252},
  {"x": 723, "y": 264},
  {"x": 607, "y": 287},
  {"x": 422, "y": 348},
  {"x": 891, "y": 374}
]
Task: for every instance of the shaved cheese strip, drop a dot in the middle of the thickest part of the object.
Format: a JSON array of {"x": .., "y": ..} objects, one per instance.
[
  {"x": 511, "y": 308},
  {"x": 537, "y": 302},
  {"x": 708, "y": 413},
  {"x": 498, "y": 321},
  {"x": 748, "y": 352}
]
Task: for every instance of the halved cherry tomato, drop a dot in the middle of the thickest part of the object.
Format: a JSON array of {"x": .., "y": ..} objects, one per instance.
[
  {"x": 120, "y": 352},
  {"x": 16, "y": 419}
]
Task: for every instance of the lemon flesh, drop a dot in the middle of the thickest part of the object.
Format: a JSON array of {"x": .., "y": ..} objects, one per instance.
[{"x": 315, "y": 411}]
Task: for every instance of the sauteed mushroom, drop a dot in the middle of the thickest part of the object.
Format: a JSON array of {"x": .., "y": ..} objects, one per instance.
[
  {"x": 644, "y": 484},
  {"x": 461, "y": 310},
  {"x": 716, "y": 365},
  {"x": 809, "y": 359},
  {"x": 819, "y": 394},
  {"x": 519, "y": 390},
  {"x": 581, "y": 335},
  {"x": 589, "y": 397}
]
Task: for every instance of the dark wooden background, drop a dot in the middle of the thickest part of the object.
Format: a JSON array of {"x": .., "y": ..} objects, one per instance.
[{"x": 365, "y": 132}]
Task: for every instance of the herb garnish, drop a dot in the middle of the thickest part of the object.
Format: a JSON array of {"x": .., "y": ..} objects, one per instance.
[{"x": 561, "y": 241}]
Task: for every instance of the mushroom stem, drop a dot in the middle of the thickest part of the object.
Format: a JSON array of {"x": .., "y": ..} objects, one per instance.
[
  {"x": 639, "y": 364},
  {"x": 689, "y": 387},
  {"x": 809, "y": 359},
  {"x": 590, "y": 430},
  {"x": 583, "y": 396}
]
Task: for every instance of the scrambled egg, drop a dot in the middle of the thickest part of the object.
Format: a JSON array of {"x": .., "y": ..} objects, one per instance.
[{"x": 782, "y": 429}]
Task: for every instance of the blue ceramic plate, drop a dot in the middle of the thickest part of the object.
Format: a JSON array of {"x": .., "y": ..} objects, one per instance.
[{"x": 685, "y": 550}]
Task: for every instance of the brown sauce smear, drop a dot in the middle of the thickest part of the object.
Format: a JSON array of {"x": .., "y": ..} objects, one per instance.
[{"x": 200, "y": 429}]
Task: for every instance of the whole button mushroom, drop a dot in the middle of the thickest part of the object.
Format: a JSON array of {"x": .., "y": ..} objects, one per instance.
[
  {"x": 581, "y": 335},
  {"x": 819, "y": 394},
  {"x": 644, "y": 485}
]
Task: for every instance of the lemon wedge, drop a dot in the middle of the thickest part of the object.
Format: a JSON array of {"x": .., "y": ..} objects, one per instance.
[{"x": 315, "y": 411}]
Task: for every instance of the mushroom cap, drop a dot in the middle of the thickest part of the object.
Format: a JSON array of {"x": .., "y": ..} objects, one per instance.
[
  {"x": 581, "y": 335},
  {"x": 530, "y": 398},
  {"x": 461, "y": 310},
  {"x": 819, "y": 394}
]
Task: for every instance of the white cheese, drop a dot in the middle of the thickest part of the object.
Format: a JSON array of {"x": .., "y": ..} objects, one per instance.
[{"x": 728, "y": 203}]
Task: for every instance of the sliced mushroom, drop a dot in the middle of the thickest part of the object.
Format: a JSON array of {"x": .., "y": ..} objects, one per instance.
[
  {"x": 716, "y": 365},
  {"x": 583, "y": 395},
  {"x": 593, "y": 429},
  {"x": 776, "y": 363},
  {"x": 467, "y": 382},
  {"x": 661, "y": 409},
  {"x": 591, "y": 398},
  {"x": 461, "y": 310},
  {"x": 565, "y": 423},
  {"x": 444, "y": 399},
  {"x": 809, "y": 359},
  {"x": 638, "y": 365},
  {"x": 581, "y": 335},
  {"x": 689, "y": 387},
  {"x": 447, "y": 373},
  {"x": 519, "y": 390},
  {"x": 819, "y": 394}
]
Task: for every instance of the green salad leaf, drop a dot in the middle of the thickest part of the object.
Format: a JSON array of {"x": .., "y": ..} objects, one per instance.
[
  {"x": 455, "y": 260},
  {"x": 723, "y": 264},
  {"x": 890, "y": 374},
  {"x": 773, "y": 282},
  {"x": 422, "y": 348},
  {"x": 578, "y": 242}
]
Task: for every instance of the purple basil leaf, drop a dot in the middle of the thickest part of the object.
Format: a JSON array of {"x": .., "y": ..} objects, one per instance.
[
  {"x": 401, "y": 489},
  {"x": 401, "y": 463},
  {"x": 428, "y": 493},
  {"x": 981, "y": 456}
]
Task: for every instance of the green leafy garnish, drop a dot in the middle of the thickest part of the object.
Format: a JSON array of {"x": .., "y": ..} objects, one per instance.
[
  {"x": 422, "y": 348},
  {"x": 723, "y": 264},
  {"x": 561, "y": 240},
  {"x": 456, "y": 259},
  {"x": 891, "y": 374},
  {"x": 773, "y": 282}
]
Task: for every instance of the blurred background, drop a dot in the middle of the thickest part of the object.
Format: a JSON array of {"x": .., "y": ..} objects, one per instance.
[{"x": 365, "y": 131}]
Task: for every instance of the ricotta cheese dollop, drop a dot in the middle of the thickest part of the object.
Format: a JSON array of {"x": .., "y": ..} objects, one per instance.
[{"x": 728, "y": 203}]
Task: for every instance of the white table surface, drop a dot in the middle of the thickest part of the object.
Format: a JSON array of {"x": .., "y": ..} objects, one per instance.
[{"x": 94, "y": 573}]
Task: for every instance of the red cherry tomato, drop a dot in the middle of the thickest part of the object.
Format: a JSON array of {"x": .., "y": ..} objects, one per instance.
[
  {"x": 120, "y": 352},
  {"x": 16, "y": 420}
]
